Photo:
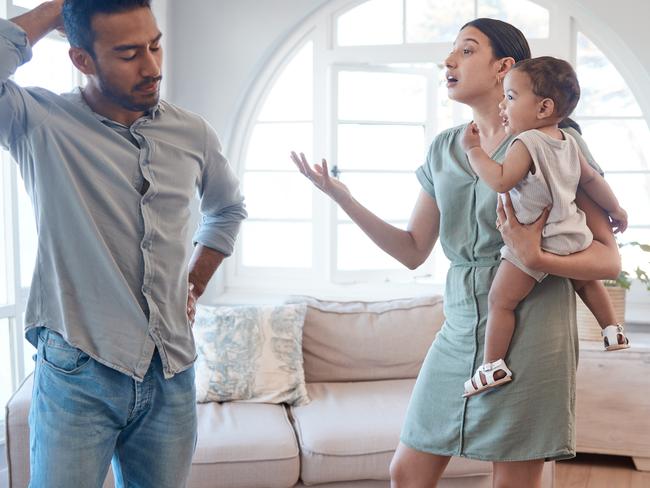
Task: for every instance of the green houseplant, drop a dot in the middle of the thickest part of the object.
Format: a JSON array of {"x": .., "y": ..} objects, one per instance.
[
  {"x": 623, "y": 280},
  {"x": 588, "y": 328}
]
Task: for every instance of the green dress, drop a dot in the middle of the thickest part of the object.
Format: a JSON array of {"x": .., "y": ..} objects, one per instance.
[{"x": 532, "y": 417}]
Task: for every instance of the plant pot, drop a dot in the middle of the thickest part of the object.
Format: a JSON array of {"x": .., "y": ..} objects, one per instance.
[{"x": 588, "y": 328}]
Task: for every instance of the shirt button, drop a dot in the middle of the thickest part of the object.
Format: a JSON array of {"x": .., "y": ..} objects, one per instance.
[
  {"x": 146, "y": 245},
  {"x": 146, "y": 290}
]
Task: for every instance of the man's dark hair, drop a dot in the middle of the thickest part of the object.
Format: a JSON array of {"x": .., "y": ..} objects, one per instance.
[
  {"x": 78, "y": 16},
  {"x": 555, "y": 79}
]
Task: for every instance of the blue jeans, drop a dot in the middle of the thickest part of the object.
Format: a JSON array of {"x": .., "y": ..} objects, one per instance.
[{"x": 85, "y": 414}]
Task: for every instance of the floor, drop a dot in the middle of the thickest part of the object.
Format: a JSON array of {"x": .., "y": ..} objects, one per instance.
[
  {"x": 585, "y": 471},
  {"x": 597, "y": 471}
]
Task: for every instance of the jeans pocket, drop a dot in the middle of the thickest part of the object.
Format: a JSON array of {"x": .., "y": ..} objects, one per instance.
[{"x": 61, "y": 356}]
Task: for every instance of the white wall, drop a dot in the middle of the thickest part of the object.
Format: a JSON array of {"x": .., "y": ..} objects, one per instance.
[
  {"x": 219, "y": 45},
  {"x": 161, "y": 11}
]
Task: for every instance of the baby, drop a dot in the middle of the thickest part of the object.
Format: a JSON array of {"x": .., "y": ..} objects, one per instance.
[{"x": 542, "y": 168}]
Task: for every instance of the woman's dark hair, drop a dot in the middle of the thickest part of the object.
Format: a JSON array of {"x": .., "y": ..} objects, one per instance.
[
  {"x": 509, "y": 42},
  {"x": 78, "y": 16}
]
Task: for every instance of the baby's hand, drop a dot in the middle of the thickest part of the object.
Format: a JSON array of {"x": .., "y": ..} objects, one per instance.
[
  {"x": 470, "y": 137},
  {"x": 618, "y": 220}
]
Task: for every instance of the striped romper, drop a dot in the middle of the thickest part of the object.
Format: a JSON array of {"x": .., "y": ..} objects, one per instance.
[{"x": 554, "y": 183}]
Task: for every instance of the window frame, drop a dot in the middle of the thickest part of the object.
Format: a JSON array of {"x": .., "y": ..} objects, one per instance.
[
  {"x": 566, "y": 19},
  {"x": 328, "y": 58},
  {"x": 18, "y": 295}
]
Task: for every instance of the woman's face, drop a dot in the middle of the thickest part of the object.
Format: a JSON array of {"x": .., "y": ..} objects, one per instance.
[{"x": 472, "y": 69}]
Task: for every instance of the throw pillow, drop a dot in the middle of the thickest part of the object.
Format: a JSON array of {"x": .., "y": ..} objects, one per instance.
[{"x": 250, "y": 354}]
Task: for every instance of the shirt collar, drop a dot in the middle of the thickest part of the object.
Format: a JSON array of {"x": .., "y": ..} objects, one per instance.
[{"x": 78, "y": 98}]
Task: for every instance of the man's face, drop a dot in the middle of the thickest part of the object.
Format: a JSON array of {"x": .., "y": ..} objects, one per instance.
[{"x": 128, "y": 58}]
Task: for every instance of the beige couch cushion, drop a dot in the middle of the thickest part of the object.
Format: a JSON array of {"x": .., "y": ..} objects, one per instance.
[
  {"x": 349, "y": 431},
  {"x": 362, "y": 341},
  {"x": 17, "y": 433},
  {"x": 243, "y": 445}
]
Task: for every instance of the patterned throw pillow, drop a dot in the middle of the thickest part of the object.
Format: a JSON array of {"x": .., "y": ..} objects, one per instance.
[{"x": 250, "y": 354}]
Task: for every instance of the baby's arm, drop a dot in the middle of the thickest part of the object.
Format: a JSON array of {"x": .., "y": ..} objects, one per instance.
[
  {"x": 594, "y": 185},
  {"x": 500, "y": 177}
]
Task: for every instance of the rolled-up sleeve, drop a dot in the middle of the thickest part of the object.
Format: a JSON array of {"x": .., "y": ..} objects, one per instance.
[
  {"x": 424, "y": 173},
  {"x": 15, "y": 50},
  {"x": 222, "y": 203}
]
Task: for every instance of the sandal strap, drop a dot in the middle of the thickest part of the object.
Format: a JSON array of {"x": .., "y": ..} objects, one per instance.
[
  {"x": 469, "y": 384},
  {"x": 611, "y": 333},
  {"x": 488, "y": 370}
]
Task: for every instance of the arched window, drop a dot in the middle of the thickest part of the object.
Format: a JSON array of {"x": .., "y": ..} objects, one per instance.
[{"x": 361, "y": 84}]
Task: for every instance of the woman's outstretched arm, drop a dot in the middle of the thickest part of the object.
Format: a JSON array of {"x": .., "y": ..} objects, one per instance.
[
  {"x": 600, "y": 260},
  {"x": 410, "y": 247}
]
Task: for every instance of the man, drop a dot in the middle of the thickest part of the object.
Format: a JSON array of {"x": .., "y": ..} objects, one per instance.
[{"x": 112, "y": 171}]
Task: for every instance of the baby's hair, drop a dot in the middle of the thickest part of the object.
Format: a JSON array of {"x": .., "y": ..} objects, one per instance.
[{"x": 555, "y": 79}]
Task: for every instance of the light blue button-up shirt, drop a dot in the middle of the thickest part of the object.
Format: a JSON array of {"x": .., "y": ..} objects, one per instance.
[{"x": 112, "y": 207}]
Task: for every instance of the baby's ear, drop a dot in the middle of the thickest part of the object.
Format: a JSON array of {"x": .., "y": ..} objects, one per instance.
[{"x": 545, "y": 108}]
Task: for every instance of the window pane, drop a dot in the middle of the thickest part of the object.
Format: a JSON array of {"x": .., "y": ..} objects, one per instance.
[
  {"x": 436, "y": 20},
  {"x": 28, "y": 235},
  {"x": 390, "y": 196},
  {"x": 633, "y": 193},
  {"x": 278, "y": 195},
  {"x": 374, "y": 22},
  {"x": 631, "y": 150},
  {"x": 271, "y": 144},
  {"x": 380, "y": 147},
  {"x": 291, "y": 97},
  {"x": 441, "y": 264},
  {"x": 4, "y": 222},
  {"x": 394, "y": 97},
  {"x": 530, "y": 18},
  {"x": 603, "y": 89},
  {"x": 632, "y": 256},
  {"x": 6, "y": 384},
  {"x": 357, "y": 252},
  {"x": 49, "y": 68},
  {"x": 30, "y": 4},
  {"x": 276, "y": 244}
]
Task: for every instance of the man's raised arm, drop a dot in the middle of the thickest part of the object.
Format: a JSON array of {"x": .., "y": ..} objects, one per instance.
[
  {"x": 18, "y": 112},
  {"x": 40, "y": 21}
]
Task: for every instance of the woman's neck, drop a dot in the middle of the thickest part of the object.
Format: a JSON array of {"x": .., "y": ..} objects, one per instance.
[{"x": 488, "y": 120}]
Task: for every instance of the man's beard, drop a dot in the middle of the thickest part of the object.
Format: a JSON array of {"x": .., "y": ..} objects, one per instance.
[{"x": 126, "y": 100}]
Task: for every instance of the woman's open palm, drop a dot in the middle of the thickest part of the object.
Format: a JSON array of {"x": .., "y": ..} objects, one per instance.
[{"x": 320, "y": 177}]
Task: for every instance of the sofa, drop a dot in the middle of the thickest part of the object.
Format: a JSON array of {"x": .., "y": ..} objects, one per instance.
[{"x": 360, "y": 364}]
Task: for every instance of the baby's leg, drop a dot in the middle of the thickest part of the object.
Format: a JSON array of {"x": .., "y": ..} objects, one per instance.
[
  {"x": 595, "y": 296},
  {"x": 510, "y": 286}
]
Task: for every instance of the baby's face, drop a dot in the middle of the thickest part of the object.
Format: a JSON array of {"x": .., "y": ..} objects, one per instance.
[{"x": 520, "y": 105}]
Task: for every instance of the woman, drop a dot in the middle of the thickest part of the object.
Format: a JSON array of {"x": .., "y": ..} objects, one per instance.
[{"x": 529, "y": 420}]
